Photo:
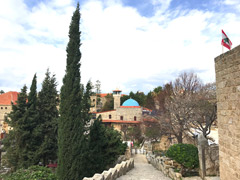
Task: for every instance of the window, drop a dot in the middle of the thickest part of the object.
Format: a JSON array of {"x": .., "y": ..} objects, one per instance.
[
  {"x": 5, "y": 107},
  {"x": 110, "y": 116},
  {"x": 1, "y": 107},
  {"x": 135, "y": 118},
  {"x": 121, "y": 117}
]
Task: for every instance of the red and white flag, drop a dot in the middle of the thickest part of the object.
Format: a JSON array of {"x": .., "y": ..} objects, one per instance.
[{"x": 226, "y": 41}]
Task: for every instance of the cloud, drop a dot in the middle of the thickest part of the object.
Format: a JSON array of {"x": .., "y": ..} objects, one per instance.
[
  {"x": 120, "y": 46},
  {"x": 123, "y": 46}
]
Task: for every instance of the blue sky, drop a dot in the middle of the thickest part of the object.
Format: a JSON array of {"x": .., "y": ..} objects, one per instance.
[{"x": 128, "y": 44}]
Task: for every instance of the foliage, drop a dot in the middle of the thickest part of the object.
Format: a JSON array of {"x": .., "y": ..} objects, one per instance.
[
  {"x": 2, "y": 92},
  {"x": 22, "y": 142},
  {"x": 105, "y": 145},
  {"x": 33, "y": 119},
  {"x": 32, "y": 173},
  {"x": 135, "y": 133},
  {"x": 184, "y": 154},
  {"x": 153, "y": 132},
  {"x": 138, "y": 96},
  {"x": 48, "y": 114},
  {"x": 150, "y": 102},
  {"x": 109, "y": 104},
  {"x": 74, "y": 111},
  {"x": 157, "y": 89}
]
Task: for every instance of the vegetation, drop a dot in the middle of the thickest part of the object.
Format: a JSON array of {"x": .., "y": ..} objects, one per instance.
[
  {"x": 138, "y": 96},
  {"x": 32, "y": 173},
  {"x": 186, "y": 105},
  {"x": 109, "y": 104},
  {"x": 33, "y": 119},
  {"x": 184, "y": 154},
  {"x": 48, "y": 115},
  {"x": 105, "y": 145},
  {"x": 13, "y": 142},
  {"x": 74, "y": 111}
]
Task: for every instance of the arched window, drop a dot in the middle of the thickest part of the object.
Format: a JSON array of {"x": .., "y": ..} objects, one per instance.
[
  {"x": 135, "y": 118},
  {"x": 110, "y": 116},
  {"x": 121, "y": 117}
]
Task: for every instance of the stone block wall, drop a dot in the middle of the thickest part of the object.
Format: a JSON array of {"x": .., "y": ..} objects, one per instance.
[
  {"x": 166, "y": 165},
  {"x": 227, "y": 67},
  {"x": 114, "y": 173}
]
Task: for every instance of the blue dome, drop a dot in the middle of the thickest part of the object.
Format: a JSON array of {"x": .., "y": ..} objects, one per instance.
[{"x": 130, "y": 102}]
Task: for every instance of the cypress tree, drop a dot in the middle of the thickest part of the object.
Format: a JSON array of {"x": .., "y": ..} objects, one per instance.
[
  {"x": 73, "y": 111},
  {"x": 48, "y": 114}
]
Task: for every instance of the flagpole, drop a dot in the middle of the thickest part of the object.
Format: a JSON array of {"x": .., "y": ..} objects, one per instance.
[{"x": 222, "y": 49}]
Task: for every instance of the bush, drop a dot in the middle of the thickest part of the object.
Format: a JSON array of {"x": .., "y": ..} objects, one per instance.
[
  {"x": 184, "y": 154},
  {"x": 32, "y": 173}
]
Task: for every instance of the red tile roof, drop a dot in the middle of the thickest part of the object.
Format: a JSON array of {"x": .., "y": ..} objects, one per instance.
[
  {"x": 147, "y": 109},
  {"x": 7, "y": 98},
  {"x": 121, "y": 121},
  {"x": 105, "y": 94}
]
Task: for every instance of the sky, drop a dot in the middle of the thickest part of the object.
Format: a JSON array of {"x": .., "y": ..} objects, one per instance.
[{"x": 132, "y": 45}]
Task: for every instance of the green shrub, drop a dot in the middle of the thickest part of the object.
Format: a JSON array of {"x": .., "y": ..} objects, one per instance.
[
  {"x": 184, "y": 154},
  {"x": 32, "y": 173}
]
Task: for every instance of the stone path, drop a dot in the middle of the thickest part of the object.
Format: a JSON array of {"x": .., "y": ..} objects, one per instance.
[{"x": 143, "y": 171}]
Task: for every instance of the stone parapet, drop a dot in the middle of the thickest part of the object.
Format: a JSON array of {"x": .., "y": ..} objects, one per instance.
[
  {"x": 166, "y": 165},
  {"x": 114, "y": 173},
  {"x": 227, "y": 68}
]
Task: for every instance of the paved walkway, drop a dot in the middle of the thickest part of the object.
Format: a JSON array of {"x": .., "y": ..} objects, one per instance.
[{"x": 143, "y": 171}]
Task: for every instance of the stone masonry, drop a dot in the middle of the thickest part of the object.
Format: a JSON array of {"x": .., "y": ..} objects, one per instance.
[{"x": 227, "y": 67}]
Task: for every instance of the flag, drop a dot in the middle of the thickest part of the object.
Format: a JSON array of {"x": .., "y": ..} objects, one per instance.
[{"x": 226, "y": 41}]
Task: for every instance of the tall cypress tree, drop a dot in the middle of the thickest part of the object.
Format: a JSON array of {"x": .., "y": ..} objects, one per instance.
[
  {"x": 48, "y": 114},
  {"x": 73, "y": 118}
]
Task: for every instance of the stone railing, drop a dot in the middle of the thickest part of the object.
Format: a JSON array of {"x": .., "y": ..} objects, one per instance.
[
  {"x": 114, "y": 173},
  {"x": 165, "y": 165}
]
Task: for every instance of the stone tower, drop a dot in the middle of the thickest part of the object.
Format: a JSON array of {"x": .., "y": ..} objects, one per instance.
[{"x": 116, "y": 97}]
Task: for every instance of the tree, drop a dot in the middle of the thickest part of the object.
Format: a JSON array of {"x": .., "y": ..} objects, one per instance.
[
  {"x": 138, "y": 96},
  {"x": 74, "y": 108},
  {"x": 181, "y": 102},
  {"x": 48, "y": 114},
  {"x": 97, "y": 148},
  {"x": 135, "y": 133},
  {"x": 12, "y": 142},
  {"x": 105, "y": 145},
  {"x": 2, "y": 92},
  {"x": 98, "y": 92},
  {"x": 23, "y": 141},
  {"x": 205, "y": 112},
  {"x": 150, "y": 103},
  {"x": 109, "y": 104},
  {"x": 30, "y": 138}
]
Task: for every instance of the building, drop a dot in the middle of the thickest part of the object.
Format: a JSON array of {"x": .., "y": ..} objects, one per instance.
[
  {"x": 6, "y": 100},
  {"x": 130, "y": 113}
]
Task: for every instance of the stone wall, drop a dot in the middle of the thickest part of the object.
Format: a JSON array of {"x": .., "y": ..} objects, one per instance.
[
  {"x": 114, "y": 173},
  {"x": 227, "y": 67},
  {"x": 4, "y": 110},
  {"x": 165, "y": 165}
]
